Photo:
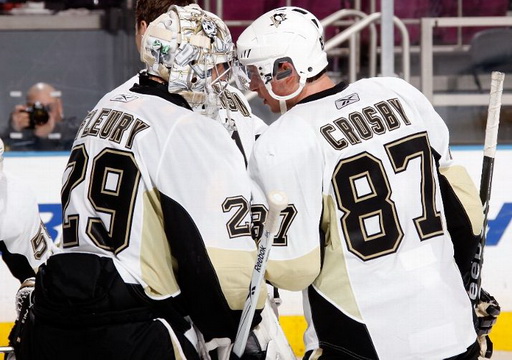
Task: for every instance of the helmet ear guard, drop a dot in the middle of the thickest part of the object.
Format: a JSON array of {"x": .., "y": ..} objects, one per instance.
[{"x": 279, "y": 75}]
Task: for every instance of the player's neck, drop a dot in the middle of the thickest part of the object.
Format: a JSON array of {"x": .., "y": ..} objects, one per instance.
[
  {"x": 157, "y": 79},
  {"x": 324, "y": 82}
]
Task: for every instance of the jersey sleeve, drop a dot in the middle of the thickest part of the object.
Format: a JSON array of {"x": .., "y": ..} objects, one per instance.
[
  {"x": 293, "y": 163},
  {"x": 26, "y": 243},
  {"x": 205, "y": 193}
]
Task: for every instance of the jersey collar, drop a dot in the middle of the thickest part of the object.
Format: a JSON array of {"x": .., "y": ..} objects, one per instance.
[
  {"x": 151, "y": 87},
  {"x": 328, "y": 92}
]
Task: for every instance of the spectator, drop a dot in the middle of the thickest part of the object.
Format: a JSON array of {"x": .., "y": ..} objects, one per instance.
[{"x": 40, "y": 123}]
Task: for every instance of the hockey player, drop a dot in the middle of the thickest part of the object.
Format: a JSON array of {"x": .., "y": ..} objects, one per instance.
[
  {"x": 234, "y": 111},
  {"x": 24, "y": 241},
  {"x": 381, "y": 220},
  {"x": 156, "y": 216}
]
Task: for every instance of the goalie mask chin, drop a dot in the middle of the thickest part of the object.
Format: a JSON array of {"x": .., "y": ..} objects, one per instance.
[{"x": 190, "y": 49}]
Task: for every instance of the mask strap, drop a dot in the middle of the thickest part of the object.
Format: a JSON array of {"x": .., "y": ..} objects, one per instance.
[{"x": 282, "y": 99}]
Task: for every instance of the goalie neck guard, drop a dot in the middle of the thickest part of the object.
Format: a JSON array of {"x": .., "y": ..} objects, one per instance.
[{"x": 184, "y": 47}]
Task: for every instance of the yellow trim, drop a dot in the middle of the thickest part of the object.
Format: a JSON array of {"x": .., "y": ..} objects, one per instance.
[
  {"x": 295, "y": 325},
  {"x": 5, "y": 329},
  {"x": 502, "y": 332}
]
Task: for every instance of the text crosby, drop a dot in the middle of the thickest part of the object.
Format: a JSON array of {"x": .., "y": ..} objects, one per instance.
[
  {"x": 111, "y": 124},
  {"x": 361, "y": 125}
]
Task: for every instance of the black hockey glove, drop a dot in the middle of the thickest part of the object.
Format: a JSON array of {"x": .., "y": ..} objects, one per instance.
[
  {"x": 23, "y": 304},
  {"x": 487, "y": 312}
]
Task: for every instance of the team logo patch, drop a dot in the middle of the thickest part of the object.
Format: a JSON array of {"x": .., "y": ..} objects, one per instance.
[
  {"x": 347, "y": 100},
  {"x": 277, "y": 19},
  {"x": 124, "y": 98}
]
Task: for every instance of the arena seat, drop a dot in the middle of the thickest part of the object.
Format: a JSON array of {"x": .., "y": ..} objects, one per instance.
[
  {"x": 490, "y": 50},
  {"x": 449, "y": 8}
]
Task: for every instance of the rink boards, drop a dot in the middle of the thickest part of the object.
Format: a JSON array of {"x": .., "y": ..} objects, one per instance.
[{"x": 44, "y": 171}]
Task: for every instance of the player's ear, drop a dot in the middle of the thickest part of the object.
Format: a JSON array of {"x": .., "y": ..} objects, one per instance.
[{"x": 141, "y": 27}]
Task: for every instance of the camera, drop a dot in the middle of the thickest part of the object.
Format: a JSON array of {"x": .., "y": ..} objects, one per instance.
[{"x": 38, "y": 115}]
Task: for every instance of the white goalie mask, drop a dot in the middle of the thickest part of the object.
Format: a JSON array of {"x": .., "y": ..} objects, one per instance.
[
  {"x": 184, "y": 47},
  {"x": 288, "y": 34}
]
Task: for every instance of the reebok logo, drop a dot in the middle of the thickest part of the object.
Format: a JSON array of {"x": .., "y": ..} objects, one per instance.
[
  {"x": 347, "y": 100},
  {"x": 124, "y": 98}
]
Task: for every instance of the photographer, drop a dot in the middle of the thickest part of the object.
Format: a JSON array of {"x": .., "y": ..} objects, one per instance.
[{"x": 39, "y": 124}]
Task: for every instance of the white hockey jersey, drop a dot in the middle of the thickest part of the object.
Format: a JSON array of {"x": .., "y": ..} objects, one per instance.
[
  {"x": 24, "y": 241},
  {"x": 164, "y": 193},
  {"x": 366, "y": 225},
  {"x": 247, "y": 127},
  {"x": 234, "y": 109}
]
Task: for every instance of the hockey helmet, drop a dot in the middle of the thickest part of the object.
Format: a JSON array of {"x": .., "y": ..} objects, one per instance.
[
  {"x": 284, "y": 34},
  {"x": 183, "y": 47}
]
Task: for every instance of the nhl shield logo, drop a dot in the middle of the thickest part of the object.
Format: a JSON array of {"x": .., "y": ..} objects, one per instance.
[{"x": 347, "y": 100}]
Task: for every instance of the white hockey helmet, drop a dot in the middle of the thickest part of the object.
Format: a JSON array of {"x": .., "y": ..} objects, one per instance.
[
  {"x": 284, "y": 34},
  {"x": 183, "y": 46}
]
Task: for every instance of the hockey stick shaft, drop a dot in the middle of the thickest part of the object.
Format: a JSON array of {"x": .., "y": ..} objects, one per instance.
[
  {"x": 6, "y": 349},
  {"x": 277, "y": 201},
  {"x": 490, "y": 143}
]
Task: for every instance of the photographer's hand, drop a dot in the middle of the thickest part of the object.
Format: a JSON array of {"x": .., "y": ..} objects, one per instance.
[
  {"x": 20, "y": 118},
  {"x": 42, "y": 131}
]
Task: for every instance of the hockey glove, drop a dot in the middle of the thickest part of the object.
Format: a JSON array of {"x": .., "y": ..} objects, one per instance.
[
  {"x": 487, "y": 312},
  {"x": 23, "y": 304},
  {"x": 267, "y": 340}
]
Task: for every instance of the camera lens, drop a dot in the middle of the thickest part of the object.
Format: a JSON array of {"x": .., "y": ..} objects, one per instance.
[{"x": 39, "y": 116}]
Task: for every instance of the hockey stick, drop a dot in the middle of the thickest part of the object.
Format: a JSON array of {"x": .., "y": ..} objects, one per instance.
[
  {"x": 491, "y": 140},
  {"x": 277, "y": 201},
  {"x": 6, "y": 349}
]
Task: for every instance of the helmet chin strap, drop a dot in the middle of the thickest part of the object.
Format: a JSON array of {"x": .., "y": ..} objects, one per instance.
[
  {"x": 282, "y": 99},
  {"x": 282, "y": 106}
]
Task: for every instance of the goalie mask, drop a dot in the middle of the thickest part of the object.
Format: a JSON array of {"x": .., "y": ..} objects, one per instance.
[
  {"x": 289, "y": 34},
  {"x": 184, "y": 47}
]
